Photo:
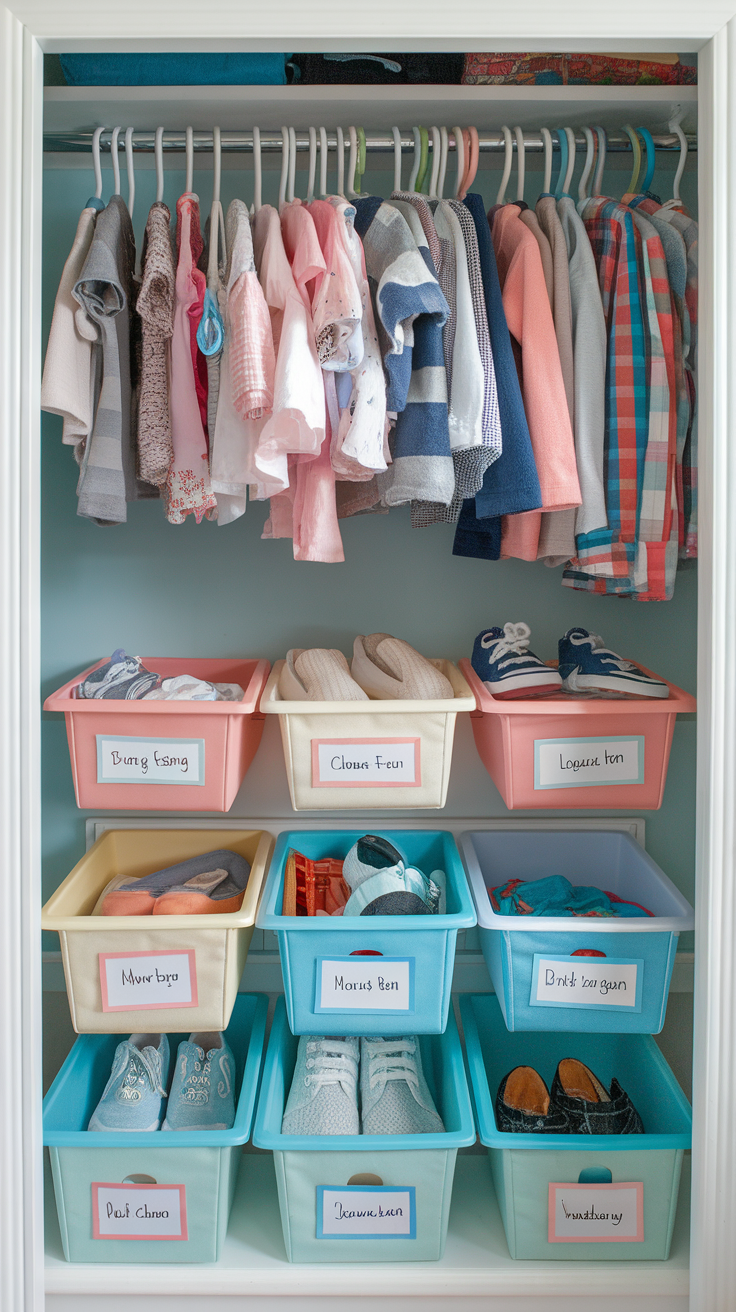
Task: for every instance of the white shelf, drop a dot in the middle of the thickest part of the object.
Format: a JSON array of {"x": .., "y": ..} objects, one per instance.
[
  {"x": 476, "y": 1262},
  {"x": 70, "y": 109}
]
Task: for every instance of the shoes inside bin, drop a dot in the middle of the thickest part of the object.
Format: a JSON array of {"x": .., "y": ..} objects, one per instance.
[
  {"x": 213, "y": 883},
  {"x": 372, "y": 880},
  {"x": 577, "y": 1103},
  {"x": 137, "y": 1098},
  {"x": 383, "y": 668}
]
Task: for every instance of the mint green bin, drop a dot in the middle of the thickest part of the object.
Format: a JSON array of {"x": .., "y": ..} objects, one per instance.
[
  {"x": 525, "y": 1165},
  {"x": 201, "y": 1165},
  {"x": 420, "y": 1166}
]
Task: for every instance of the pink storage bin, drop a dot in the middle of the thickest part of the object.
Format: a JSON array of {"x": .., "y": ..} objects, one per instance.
[
  {"x": 558, "y": 752},
  {"x": 164, "y": 756}
]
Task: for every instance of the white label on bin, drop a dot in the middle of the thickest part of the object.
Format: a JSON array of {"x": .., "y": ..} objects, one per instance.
[
  {"x": 148, "y": 981},
  {"x": 601, "y": 983},
  {"x": 364, "y": 1211},
  {"x": 588, "y": 762},
  {"x": 365, "y": 984},
  {"x": 150, "y": 760},
  {"x": 366, "y": 763},
  {"x": 139, "y": 1211},
  {"x": 596, "y": 1213}
]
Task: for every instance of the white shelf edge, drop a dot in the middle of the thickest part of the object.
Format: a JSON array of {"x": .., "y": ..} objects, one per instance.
[{"x": 348, "y": 92}]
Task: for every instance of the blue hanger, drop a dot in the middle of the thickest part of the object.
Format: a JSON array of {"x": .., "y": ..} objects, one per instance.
[
  {"x": 564, "y": 156},
  {"x": 651, "y": 160}
]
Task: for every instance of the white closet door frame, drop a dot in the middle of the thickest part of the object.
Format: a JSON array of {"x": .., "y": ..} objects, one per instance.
[{"x": 27, "y": 28}]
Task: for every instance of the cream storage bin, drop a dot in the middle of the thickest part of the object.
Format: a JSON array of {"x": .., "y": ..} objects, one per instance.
[
  {"x": 374, "y": 755},
  {"x": 206, "y": 953}
]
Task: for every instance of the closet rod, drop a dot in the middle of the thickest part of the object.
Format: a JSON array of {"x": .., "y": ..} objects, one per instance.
[{"x": 379, "y": 142}]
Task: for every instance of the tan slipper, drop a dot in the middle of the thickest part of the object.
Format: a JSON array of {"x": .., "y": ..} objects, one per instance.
[
  {"x": 318, "y": 674},
  {"x": 390, "y": 669}
]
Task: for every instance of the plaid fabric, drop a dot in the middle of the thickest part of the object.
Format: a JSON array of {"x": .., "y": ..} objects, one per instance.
[
  {"x": 609, "y": 554},
  {"x": 688, "y": 229}
]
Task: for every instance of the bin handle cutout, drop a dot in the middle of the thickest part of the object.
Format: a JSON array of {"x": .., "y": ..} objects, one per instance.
[
  {"x": 587, "y": 952},
  {"x": 139, "y": 1179},
  {"x": 366, "y": 952},
  {"x": 595, "y": 1175},
  {"x": 365, "y": 1177}
]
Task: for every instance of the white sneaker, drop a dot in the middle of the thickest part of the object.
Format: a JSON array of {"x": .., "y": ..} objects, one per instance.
[
  {"x": 323, "y": 1098},
  {"x": 394, "y": 1095}
]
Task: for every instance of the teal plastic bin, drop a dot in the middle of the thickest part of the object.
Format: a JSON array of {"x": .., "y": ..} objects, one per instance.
[
  {"x": 321, "y": 1177},
  {"x": 520, "y": 950},
  {"x": 561, "y": 1224},
  {"x": 422, "y": 948},
  {"x": 191, "y": 1173}
]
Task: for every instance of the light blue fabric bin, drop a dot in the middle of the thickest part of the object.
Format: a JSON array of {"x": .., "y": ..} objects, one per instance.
[
  {"x": 514, "y": 946},
  {"x": 427, "y": 942},
  {"x": 422, "y": 1163},
  {"x": 205, "y": 1163},
  {"x": 524, "y": 1165}
]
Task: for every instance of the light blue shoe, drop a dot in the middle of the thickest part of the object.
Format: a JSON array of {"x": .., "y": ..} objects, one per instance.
[
  {"x": 134, "y": 1096},
  {"x": 203, "y": 1088},
  {"x": 586, "y": 664},
  {"x": 394, "y": 1095},
  {"x": 323, "y": 1098}
]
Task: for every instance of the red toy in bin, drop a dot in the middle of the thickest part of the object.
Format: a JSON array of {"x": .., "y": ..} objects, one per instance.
[
  {"x": 164, "y": 755},
  {"x": 558, "y": 752}
]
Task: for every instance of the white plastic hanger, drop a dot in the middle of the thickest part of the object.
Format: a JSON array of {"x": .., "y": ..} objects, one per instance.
[
  {"x": 460, "y": 151},
  {"x": 115, "y": 162},
  {"x": 569, "y": 133},
  {"x": 602, "y": 143},
  {"x": 312, "y": 164},
  {"x": 323, "y": 161},
  {"x": 158, "y": 150},
  {"x": 547, "y": 179},
  {"x": 417, "y": 159},
  {"x": 340, "y": 163},
  {"x": 397, "y": 158},
  {"x": 501, "y": 197},
  {"x": 587, "y": 167},
  {"x": 257, "y": 170},
  {"x": 95, "y": 202},
  {"x": 674, "y": 125},
  {"x": 292, "y": 165},
  {"x": 434, "y": 175},
  {"x": 284, "y": 166},
  {"x": 520, "y": 163},
  {"x": 444, "y": 148},
  {"x": 216, "y": 166},
  {"x": 131, "y": 170},
  {"x": 190, "y": 160}
]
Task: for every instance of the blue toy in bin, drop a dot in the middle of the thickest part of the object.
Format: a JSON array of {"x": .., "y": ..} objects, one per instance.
[
  {"x": 528, "y": 1169},
  {"x": 312, "y": 1171},
  {"x": 328, "y": 961},
  {"x": 189, "y": 1174}
]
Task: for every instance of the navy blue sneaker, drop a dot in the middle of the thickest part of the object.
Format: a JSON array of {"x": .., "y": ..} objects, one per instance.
[
  {"x": 501, "y": 658},
  {"x": 585, "y": 663}
]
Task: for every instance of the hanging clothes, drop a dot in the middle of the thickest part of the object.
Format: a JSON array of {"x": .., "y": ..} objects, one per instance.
[
  {"x": 688, "y": 228},
  {"x": 155, "y": 306},
  {"x": 68, "y": 384},
  {"x": 557, "y": 531}
]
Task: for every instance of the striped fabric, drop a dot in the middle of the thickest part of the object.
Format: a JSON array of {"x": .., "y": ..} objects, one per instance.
[{"x": 688, "y": 229}]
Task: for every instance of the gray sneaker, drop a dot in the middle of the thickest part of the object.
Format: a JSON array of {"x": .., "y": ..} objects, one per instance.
[
  {"x": 323, "y": 1098},
  {"x": 394, "y": 1095}
]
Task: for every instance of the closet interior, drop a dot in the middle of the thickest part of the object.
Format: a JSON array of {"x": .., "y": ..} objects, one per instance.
[{"x": 194, "y": 590}]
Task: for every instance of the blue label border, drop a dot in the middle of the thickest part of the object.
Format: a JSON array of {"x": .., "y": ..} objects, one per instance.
[
  {"x": 409, "y": 1189},
  {"x": 362, "y": 1011},
  {"x": 569, "y": 960},
  {"x": 139, "y": 738},
  {"x": 589, "y": 783}
]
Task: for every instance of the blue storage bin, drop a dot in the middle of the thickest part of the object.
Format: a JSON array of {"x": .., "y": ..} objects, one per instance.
[
  {"x": 524, "y": 1166},
  {"x": 422, "y": 947},
  {"x": 199, "y": 1167},
  {"x": 626, "y": 995},
  {"x": 417, "y": 1167}
]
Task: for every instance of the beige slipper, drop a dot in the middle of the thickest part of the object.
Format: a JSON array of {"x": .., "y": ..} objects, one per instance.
[
  {"x": 318, "y": 675},
  {"x": 389, "y": 669}
]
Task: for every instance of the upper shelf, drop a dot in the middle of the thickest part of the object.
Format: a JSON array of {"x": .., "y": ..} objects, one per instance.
[{"x": 74, "y": 109}]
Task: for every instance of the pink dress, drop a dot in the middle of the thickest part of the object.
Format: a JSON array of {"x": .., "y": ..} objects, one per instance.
[{"x": 188, "y": 489}]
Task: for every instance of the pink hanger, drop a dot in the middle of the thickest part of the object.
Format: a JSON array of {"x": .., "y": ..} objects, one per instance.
[{"x": 472, "y": 152}]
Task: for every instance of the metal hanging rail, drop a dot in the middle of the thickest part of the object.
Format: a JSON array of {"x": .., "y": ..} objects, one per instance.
[{"x": 174, "y": 141}]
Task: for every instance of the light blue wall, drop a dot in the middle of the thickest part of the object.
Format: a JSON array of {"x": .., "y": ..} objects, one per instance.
[{"x": 203, "y": 590}]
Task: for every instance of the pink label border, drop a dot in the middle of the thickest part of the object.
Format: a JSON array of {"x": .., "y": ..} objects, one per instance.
[
  {"x": 345, "y": 742},
  {"x": 151, "y": 1006},
  {"x": 159, "y": 1239},
  {"x": 638, "y": 1238}
]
